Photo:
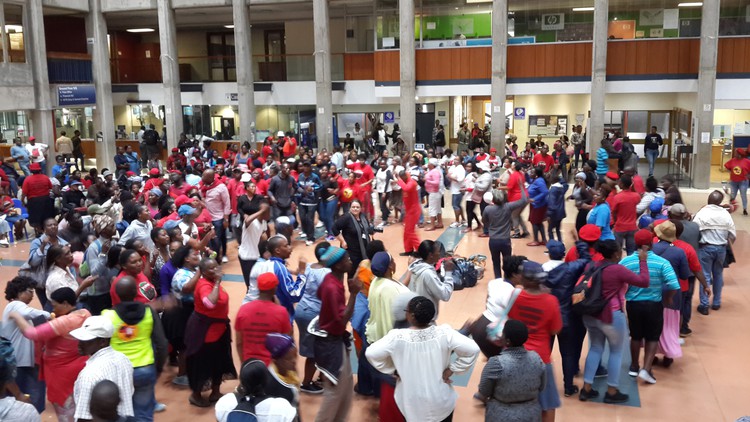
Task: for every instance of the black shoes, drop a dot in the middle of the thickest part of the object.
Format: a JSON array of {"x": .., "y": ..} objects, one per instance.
[
  {"x": 667, "y": 362},
  {"x": 406, "y": 254},
  {"x": 571, "y": 391},
  {"x": 685, "y": 332},
  {"x": 703, "y": 310},
  {"x": 716, "y": 307},
  {"x": 587, "y": 395},
  {"x": 618, "y": 397},
  {"x": 744, "y": 212},
  {"x": 601, "y": 372}
]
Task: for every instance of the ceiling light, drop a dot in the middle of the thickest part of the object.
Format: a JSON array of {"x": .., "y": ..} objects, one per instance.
[
  {"x": 229, "y": 26},
  {"x": 691, "y": 4},
  {"x": 583, "y": 9},
  {"x": 136, "y": 30},
  {"x": 478, "y": 1},
  {"x": 13, "y": 28}
]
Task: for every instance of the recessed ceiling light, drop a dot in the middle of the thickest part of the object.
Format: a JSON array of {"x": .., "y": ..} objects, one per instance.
[
  {"x": 583, "y": 9},
  {"x": 229, "y": 26},
  {"x": 140, "y": 30},
  {"x": 478, "y": 1},
  {"x": 691, "y": 4}
]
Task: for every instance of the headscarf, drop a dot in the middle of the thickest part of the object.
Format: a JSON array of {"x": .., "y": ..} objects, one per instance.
[{"x": 101, "y": 221}]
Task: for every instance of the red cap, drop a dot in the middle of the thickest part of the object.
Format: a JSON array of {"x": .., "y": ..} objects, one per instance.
[
  {"x": 644, "y": 237},
  {"x": 741, "y": 151},
  {"x": 175, "y": 150},
  {"x": 35, "y": 167},
  {"x": 182, "y": 200},
  {"x": 267, "y": 281},
  {"x": 129, "y": 173},
  {"x": 154, "y": 172},
  {"x": 32, "y": 138},
  {"x": 590, "y": 233},
  {"x": 612, "y": 175},
  {"x": 493, "y": 149}
]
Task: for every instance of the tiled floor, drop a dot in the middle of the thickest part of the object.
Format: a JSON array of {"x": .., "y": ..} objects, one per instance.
[{"x": 710, "y": 383}]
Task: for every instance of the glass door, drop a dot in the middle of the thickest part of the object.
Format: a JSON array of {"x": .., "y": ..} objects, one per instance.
[{"x": 274, "y": 66}]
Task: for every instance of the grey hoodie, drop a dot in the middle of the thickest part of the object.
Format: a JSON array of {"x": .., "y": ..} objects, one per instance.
[{"x": 425, "y": 281}]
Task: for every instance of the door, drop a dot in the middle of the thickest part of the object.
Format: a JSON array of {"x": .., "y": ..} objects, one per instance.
[
  {"x": 273, "y": 68},
  {"x": 425, "y": 123},
  {"x": 662, "y": 119}
]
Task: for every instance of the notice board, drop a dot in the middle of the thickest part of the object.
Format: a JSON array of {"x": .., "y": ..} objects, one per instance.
[{"x": 548, "y": 125}]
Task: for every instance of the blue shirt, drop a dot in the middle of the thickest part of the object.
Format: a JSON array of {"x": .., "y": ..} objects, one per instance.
[
  {"x": 313, "y": 181},
  {"x": 678, "y": 259},
  {"x": 20, "y": 154},
  {"x": 313, "y": 279},
  {"x": 661, "y": 277},
  {"x": 601, "y": 161},
  {"x": 56, "y": 169},
  {"x": 134, "y": 162},
  {"x": 600, "y": 216}
]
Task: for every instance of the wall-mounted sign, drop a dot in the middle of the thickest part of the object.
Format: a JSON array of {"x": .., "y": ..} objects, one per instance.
[
  {"x": 76, "y": 95},
  {"x": 553, "y": 22},
  {"x": 388, "y": 117},
  {"x": 519, "y": 113}
]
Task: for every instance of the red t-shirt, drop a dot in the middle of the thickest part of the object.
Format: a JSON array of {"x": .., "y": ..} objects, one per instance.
[
  {"x": 623, "y": 210},
  {"x": 236, "y": 189},
  {"x": 36, "y": 185},
  {"x": 154, "y": 182},
  {"x": 343, "y": 186},
  {"x": 515, "y": 186},
  {"x": 266, "y": 151},
  {"x": 638, "y": 185},
  {"x": 146, "y": 290},
  {"x": 547, "y": 160},
  {"x": 261, "y": 187},
  {"x": 333, "y": 305},
  {"x": 255, "y": 320},
  {"x": 572, "y": 255},
  {"x": 694, "y": 263},
  {"x": 367, "y": 175},
  {"x": 541, "y": 314},
  {"x": 410, "y": 193},
  {"x": 738, "y": 169},
  {"x": 220, "y": 311}
]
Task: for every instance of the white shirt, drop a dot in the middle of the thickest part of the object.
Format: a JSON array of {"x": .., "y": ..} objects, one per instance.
[
  {"x": 468, "y": 185},
  {"x": 394, "y": 181},
  {"x": 58, "y": 278},
  {"x": 381, "y": 137},
  {"x": 338, "y": 159},
  {"x": 42, "y": 148},
  {"x": 380, "y": 177},
  {"x": 23, "y": 348},
  {"x": 140, "y": 231},
  {"x": 106, "y": 364},
  {"x": 272, "y": 409},
  {"x": 358, "y": 135},
  {"x": 457, "y": 172},
  {"x": 420, "y": 356},
  {"x": 260, "y": 267},
  {"x": 498, "y": 295},
  {"x": 188, "y": 232},
  {"x": 250, "y": 238}
]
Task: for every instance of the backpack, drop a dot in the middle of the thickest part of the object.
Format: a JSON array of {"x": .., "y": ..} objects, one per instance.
[
  {"x": 245, "y": 410},
  {"x": 149, "y": 137},
  {"x": 464, "y": 274},
  {"x": 587, "y": 294}
]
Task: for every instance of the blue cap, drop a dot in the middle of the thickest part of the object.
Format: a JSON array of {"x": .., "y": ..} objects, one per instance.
[
  {"x": 656, "y": 205},
  {"x": 156, "y": 191},
  {"x": 185, "y": 210},
  {"x": 533, "y": 270},
  {"x": 380, "y": 263},
  {"x": 555, "y": 249},
  {"x": 170, "y": 224}
]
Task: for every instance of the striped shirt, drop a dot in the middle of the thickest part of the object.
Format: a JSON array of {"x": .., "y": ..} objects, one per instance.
[
  {"x": 660, "y": 274},
  {"x": 105, "y": 364}
]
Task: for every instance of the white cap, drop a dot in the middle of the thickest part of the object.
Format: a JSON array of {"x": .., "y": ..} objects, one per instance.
[
  {"x": 433, "y": 162},
  {"x": 280, "y": 133},
  {"x": 484, "y": 165},
  {"x": 98, "y": 326},
  {"x": 246, "y": 177}
]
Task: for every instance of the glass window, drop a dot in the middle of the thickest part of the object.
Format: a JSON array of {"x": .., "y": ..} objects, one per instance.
[
  {"x": 630, "y": 19},
  {"x": 14, "y": 32},
  {"x": 637, "y": 124},
  {"x": 72, "y": 119},
  {"x": 360, "y": 34},
  {"x": 13, "y": 124}
]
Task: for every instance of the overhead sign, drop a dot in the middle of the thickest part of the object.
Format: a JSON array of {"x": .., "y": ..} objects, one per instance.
[
  {"x": 553, "y": 22},
  {"x": 76, "y": 95},
  {"x": 519, "y": 113},
  {"x": 388, "y": 117},
  {"x": 232, "y": 96}
]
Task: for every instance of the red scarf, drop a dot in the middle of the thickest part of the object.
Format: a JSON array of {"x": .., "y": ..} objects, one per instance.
[{"x": 204, "y": 189}]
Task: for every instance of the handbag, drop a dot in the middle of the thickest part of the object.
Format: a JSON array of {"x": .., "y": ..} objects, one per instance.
[{"x": 495, "y": 329}]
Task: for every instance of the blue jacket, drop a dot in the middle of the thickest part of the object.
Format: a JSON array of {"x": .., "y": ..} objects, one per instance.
[
  {"x": 556, "y": 200},
  {"x": 563, "y": 278},
  {"x": 538, "y": 192}
]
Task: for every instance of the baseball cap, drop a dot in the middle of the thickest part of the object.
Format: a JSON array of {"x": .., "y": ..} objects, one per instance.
[
  {"x": 76, "y": 182},
  {"x": 280, "y": 133},
  {"x": 493, "y": 149},
  {"x": 32, "y": 138},
  {"x": 590, "y": 233},
  {"x": 666, "y": 230},
  {"x": 484, "y": 165},
  {"x": 154, "y": 172},
  {"x": 106, "y": 173},
  {"x": 175, "y": 150},
  {"x": 35, "y": 167},
  {"x": 644, "y": 237},
  {"x": 182, "y": 200},
  {"x": 555, "y": 249},
  {"x": 98, "y": 326},
  {"x": 533, "y": 270},
  {"x": 267, "y": 281},
  {"x": 246, "y": 177},
  {"x": 185, "y": 210},
  {"x": 612, "y": 175},
  {"x": 677, "y": 209}
]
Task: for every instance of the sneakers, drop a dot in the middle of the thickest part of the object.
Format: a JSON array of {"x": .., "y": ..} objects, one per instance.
[
  {"x": 667, "y": 362},
  {"x": 224, "y": 259},
  {"x": 302, "y": 236},
  {"x": 618, "y": 397},
  {"x": 182, "y": 380},
  {"x": 535, "y": 243},
  {"x": 463, "y": 224},
  {"x": 4, "y": 243},
  {"x": 744, "y": 212},
  {"x": 587, "y": 395},
  {"x": 633, "y": 371},
  {"x": 309, "y": 242},
  {"x": 713, "y": 307},
  {"x": 703, "y": 310},
  {"x": 160, "y": 407},
  {"x": 319, "y": 225},
  {"x": 571, "y": 391},
  {"x": 330, "y": 238},
  {"x": 601, "y": 372},
  {"x": 311, "y": 388},
  {"x": 454, "y": 225},
  {"x": 647, "y": 376}
]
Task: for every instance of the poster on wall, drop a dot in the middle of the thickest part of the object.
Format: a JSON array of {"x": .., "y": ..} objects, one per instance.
[
  {"x": 548, "y": 125},
  {"x": 553, "y": 22},
  {"x": 463, "y": 26},
  {"x": 652, "y": 17}
]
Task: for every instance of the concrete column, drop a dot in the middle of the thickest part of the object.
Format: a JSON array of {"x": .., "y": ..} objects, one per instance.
[
  {"x": 499, "y": 70},
  {"x": 43, "y": 127},
  {"x": 704, "y": 105},
  {"x": 408, "y": 84},
  {"x": 323, "y": 89},
  {"x": 104, "y": 118},
  {"x": 595, "y": 128},
  {"x": 244, "y": 61},
  {"x": 170, "y": 72}
]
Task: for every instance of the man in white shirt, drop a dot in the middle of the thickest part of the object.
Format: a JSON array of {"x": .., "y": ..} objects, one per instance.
[
  {"x": 104, "y": 364},
  {"x": 457, "y": 174},
  {"x": 38, "y": 153},
  {"x": 253, "y": 227},
  {"x": 359, "y": 138}
]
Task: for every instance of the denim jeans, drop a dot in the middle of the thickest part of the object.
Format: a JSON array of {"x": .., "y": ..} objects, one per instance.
[
  {"x": 517, "y": 223},
  {"x": 687, "y": 303},
  {"x": 144, "y": 398},
  {"x": 629, "y": 238},
  {"x": 742, "y": 187},
  {"x": 553, "y": 226},
  {"x": 219, "y": 243},
  {"x": 498, "y": 248},
  {"x": 651, "y": 155},
  {"x": 307, "y": 219},
  {"x": 712, "y": 263},
  {"x": 615, "y": 335},
  {"x": 327, "y": 210},
  {"x": 24, "y": 167},
  {"x": 28, "y": 381},
  {"x": 571, "y": 342}
]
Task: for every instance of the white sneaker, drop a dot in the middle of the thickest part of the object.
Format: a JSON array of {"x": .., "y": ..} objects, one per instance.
[
  {"x": 646, "y": 376},
  {"x": 224, "y": 260},
  {"x": 319, "y": 225},
  {"x": 4, "y": 243},
  {"x": 454, "y": 225},
  {"x": 302, "y": 236},
  {"x": 309, "y": 242},
  {"x": 464, "y": 224}
]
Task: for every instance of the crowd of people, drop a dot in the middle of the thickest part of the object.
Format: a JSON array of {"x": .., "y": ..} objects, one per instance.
[{"x": 126, "y": 262}]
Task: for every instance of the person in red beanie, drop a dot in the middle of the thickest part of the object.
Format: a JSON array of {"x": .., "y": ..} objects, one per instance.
[
  {"x": 259, "y": 318},
  {"x": 739, "y": 168},
  {"x": 589, "y": 233}
]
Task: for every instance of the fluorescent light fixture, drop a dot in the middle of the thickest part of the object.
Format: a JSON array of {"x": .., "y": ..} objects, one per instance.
[
  {"x": 229, "y": 26},
  {"x": 691, "y": 4},
  {"x": 478, "y": 1},
  {"x": 583, "y": 9},
  {"x": 13, "y": 28},
  {"x": 137, "y": 30}
]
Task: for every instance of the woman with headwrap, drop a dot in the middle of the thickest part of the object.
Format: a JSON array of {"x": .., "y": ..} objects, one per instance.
[
  {"x": 152, "y": 203},
  {"x": 95, "y": 262},
  {"x": 284, "y": 381}
]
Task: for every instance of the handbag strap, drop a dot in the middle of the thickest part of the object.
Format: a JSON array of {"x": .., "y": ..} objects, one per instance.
[{"x": 513, "y": 296}]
